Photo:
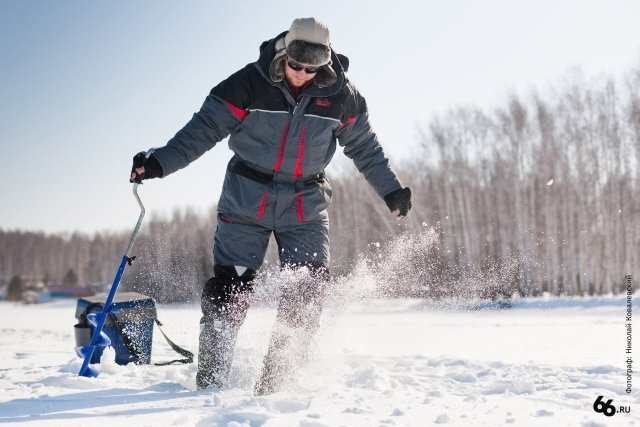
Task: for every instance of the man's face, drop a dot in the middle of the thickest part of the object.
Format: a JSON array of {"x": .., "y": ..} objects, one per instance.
[{"x": 298, "y": 76}]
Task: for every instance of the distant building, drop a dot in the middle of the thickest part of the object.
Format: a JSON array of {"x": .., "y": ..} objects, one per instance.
[{"x": 30, "y": 297}]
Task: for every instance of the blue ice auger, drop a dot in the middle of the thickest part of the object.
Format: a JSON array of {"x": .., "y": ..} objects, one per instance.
[{"x": 97, "y": 320}]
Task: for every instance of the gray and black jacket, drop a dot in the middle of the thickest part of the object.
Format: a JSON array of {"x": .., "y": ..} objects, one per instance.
[{"x": 277, "y": 138}]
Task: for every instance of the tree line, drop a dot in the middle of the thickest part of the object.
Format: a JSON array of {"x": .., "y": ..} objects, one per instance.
[{"x": 537, "y": 195}]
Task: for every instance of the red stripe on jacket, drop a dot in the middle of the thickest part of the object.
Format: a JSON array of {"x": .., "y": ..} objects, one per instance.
[
  {"x": 297, "y": 173},
  {"x": 278, "y": 164},
  {"x": 276, "y": 168},
  {"x": 348, "y": 121},
  {"x": 300, "y": 208},
  {"x": 263, "y": 204},
  {"x": 236, "y": 111}
]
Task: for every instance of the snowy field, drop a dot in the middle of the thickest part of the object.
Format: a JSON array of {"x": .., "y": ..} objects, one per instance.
[{"x": 376, "y": 362}]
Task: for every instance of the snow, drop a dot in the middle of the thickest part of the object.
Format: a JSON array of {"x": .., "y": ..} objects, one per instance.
[{"x": 375, "y": 362}]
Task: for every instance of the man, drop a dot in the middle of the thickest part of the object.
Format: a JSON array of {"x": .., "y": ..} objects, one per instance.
[{"x": 284, "y": 114}]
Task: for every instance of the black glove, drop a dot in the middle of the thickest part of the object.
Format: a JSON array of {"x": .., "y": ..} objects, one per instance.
[
  {"x": 399, "y": 200},
  {"x": 152, "y": 168}
]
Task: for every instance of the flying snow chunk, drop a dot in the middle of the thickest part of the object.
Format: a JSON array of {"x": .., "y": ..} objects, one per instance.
[
  {"x": 550, "y": 182},
  {"x": 442, "y": 419}
]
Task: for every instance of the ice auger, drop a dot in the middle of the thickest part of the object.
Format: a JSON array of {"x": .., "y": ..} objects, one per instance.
[{"x": 97, "y": 320}]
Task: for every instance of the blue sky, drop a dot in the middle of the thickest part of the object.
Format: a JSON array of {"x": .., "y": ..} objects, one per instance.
[{"x": 87, "y": 84}]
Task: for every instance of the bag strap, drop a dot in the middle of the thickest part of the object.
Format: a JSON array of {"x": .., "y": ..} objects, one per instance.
[
  {"x": 181, "y": 351},
  {"x": 83, "y": 316}
]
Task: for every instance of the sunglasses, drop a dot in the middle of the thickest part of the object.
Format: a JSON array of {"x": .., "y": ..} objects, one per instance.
[{"x": 299, "y": 67}]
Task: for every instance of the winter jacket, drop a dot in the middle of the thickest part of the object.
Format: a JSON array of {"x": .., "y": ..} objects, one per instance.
[{"x": 278, "y": 139}]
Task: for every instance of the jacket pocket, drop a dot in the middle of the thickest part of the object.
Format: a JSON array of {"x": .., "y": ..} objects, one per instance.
[
  {"x": 243, "y": 196},
  {"x": 313, "y": 201}
]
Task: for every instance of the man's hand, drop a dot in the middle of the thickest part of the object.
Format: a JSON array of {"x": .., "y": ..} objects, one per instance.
[
  {"x": 399, "y": 202},
  {"x": 144, "y": 168}
]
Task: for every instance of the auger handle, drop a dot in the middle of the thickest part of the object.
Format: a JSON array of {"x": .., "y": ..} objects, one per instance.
[{"x": 139, "y": 223}]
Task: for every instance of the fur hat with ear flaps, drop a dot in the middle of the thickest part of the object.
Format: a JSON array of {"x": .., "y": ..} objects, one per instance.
[{"x": 307, "y": 42}]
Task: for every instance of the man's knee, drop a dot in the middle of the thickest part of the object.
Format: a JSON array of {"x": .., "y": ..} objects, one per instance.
[
  {"x": 301, "y": 302},
  {"x": 225, "y": 288},
  {"x": 317, "y": 270}
]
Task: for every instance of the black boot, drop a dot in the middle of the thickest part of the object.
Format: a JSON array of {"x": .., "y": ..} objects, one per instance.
[
  {"x": 218, "y": 335},
  {"x": 225, "y": 302},
  {"x": 297, "y": 321}
]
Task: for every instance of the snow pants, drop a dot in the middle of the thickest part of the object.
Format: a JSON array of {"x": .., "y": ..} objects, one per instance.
[{"x": 254, "y": 205}]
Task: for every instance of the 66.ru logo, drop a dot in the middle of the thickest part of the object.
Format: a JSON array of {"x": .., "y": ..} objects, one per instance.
[{"x": 607, "y": 407}]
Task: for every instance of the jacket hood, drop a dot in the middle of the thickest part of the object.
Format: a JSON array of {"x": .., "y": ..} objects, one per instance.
[{"x": 329, "y": 80}]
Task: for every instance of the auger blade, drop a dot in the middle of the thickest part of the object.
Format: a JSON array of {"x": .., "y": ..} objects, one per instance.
[{"x": 90, "y": 371}]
